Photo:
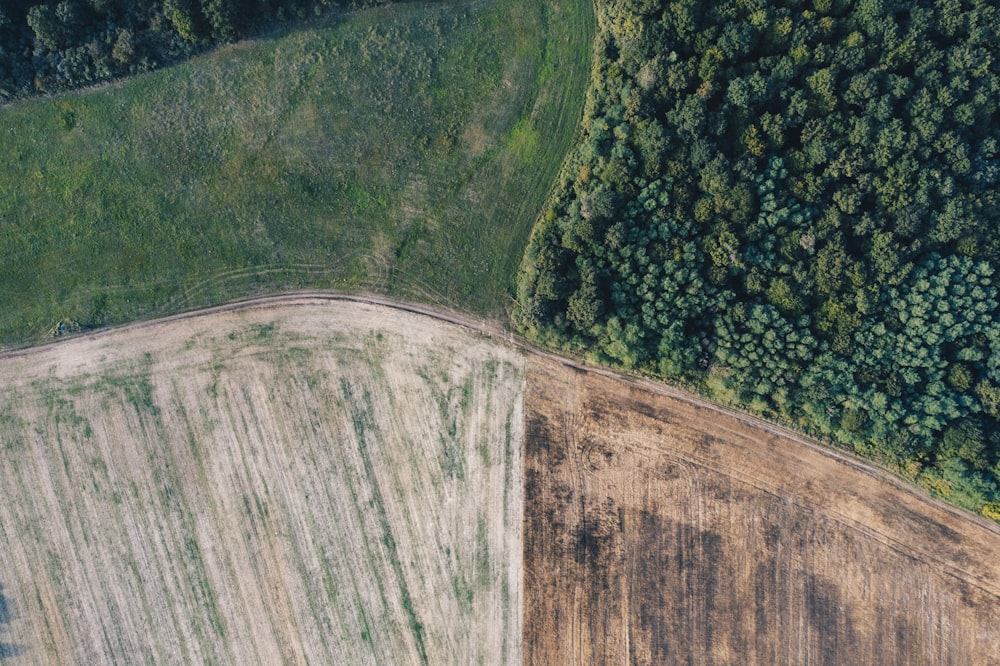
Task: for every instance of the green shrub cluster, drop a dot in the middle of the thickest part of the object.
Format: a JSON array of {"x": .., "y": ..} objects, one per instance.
[
  {"x": 47, "y": 46},
  {"x": 793, "y": 204}
]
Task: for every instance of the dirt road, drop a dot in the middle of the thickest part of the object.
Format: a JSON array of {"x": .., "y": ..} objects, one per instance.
[{"x": 658, "y": 527}]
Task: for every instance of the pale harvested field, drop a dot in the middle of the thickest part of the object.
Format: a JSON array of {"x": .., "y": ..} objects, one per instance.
[
  {"x": 660, "y": 532},
  {"x": 311, "y": 483}
]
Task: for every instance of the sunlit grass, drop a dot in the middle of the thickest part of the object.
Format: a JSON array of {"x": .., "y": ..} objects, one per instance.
[{"x": 405, "y": 150}]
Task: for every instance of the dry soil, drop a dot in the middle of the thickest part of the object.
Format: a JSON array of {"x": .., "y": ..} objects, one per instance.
[{"x": 658, "y": 531}]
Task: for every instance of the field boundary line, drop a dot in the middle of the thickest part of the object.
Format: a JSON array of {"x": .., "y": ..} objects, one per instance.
[{"x": 497, "y": 330}]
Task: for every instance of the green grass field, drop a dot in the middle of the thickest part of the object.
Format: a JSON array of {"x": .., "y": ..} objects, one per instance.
[{"x": 405, "y": 150}]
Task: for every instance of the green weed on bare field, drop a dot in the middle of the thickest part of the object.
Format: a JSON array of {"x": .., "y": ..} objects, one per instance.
[{"x": 203, "y": 493}]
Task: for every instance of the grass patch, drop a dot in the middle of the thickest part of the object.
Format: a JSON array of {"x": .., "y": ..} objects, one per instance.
[
  {"x": 405, "y": 150},
  {"x": 11, "y": 428}
]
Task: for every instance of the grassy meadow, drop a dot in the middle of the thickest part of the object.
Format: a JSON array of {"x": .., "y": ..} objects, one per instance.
[
  {"x": 319, "y": 483},
  {"x": 405, "y": 150}
]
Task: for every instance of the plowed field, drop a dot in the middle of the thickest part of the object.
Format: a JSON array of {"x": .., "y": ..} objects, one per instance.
[{"x": 660, "y": 532}]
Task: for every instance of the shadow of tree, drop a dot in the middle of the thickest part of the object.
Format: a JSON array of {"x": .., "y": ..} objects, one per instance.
[{"x": 7, "y": 650}]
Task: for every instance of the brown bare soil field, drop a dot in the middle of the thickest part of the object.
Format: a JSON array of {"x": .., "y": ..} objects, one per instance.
[
  {"x": 659, "y": 531},
  {"x": 305, "y": 482}
]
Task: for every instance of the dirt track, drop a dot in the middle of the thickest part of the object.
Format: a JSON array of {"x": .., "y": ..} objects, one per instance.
[
  {"x": 662, "y": 528},
  {"x": 498, "y": 331}
]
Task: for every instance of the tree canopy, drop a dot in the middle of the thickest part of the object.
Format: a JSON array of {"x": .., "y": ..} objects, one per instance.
[
  {"x": 55, "y": 45},
  {"x": 793, "y": 205}
]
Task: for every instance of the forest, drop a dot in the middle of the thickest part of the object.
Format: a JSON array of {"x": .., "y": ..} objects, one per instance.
[
  {"x": 51, "y": 46},
  {"x": 792, "y": 206}
]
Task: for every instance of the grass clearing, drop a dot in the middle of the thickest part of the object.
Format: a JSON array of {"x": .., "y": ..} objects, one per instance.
[
  {"x": 173, "y": 497},
  {"x": 405, "y": 149}
]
